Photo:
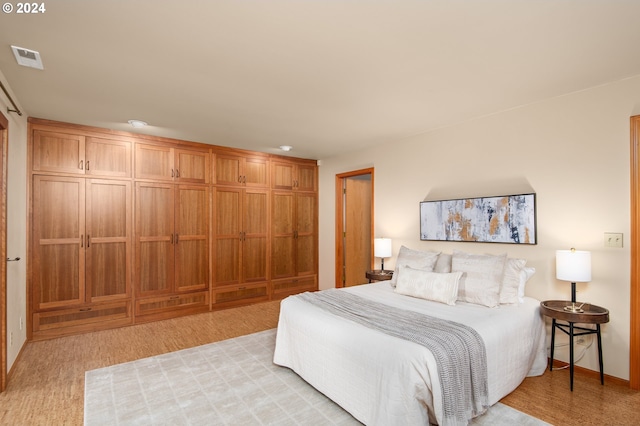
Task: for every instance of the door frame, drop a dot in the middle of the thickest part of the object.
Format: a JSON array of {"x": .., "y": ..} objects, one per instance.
[
  {"x": 340, "y": 178},
  {"x": 4, "y": 142},
  {"x": 634, "y": 340}
]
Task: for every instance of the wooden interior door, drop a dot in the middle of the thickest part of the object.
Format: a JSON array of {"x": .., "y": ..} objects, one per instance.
[
  {"x": 353, "y": 252},
  {"x": 634, "y": 343},
  {"x": 192, "y": 238},
  {"x": 357, "y": 236},
  {"x": 4, "y": 147}
]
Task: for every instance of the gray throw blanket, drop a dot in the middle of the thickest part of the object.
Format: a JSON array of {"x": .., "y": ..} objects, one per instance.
[{"x": 458, "y": 350}]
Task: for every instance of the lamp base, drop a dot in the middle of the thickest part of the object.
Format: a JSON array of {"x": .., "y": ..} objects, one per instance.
[{"x": 574, "y": 309}]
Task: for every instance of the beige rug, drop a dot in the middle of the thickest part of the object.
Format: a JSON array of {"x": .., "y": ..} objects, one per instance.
[{"x": 233, "y": 382}]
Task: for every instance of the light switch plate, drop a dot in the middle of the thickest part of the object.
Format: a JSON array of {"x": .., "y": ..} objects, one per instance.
[{"x": 612, "y": 239}]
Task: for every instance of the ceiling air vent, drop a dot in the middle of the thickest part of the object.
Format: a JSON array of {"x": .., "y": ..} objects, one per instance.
[{"x": 27, "y": 58}]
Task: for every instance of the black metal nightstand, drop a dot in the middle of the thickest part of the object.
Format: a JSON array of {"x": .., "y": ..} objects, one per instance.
[
  {"x": 591, "y": 314},
  {"x": 379, "y": 275}
]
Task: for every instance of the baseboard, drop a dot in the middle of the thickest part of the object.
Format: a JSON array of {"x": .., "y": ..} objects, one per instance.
[
  {"x": 15, "y": 362},
  {"x": 592, "y": 373}
]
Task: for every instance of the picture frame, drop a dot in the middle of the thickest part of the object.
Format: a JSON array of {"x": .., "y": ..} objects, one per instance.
[{"x": 509, "y": 219}]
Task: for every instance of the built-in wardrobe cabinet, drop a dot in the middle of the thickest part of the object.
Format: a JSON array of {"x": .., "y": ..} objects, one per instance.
[
  {"x": 128, "y": 228},
  {"x": 294, "y": 227},
  {"x": 241, "y": 223},
  {"x": 172, "y": 249},
  {"x": 81, "y": 232}
]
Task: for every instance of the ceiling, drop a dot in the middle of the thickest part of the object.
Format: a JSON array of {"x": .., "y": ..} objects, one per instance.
[{"x": 325, "y": 77}]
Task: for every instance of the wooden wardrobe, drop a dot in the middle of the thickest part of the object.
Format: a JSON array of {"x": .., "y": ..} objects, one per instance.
[{"x": 127, "y": 228}]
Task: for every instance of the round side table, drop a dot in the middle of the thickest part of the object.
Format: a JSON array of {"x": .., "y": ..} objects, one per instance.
[
  {"x": 591, "y": 314},
  {"x": 379, "y": 275}
]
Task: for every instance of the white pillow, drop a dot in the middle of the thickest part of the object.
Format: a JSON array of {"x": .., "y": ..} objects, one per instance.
[
  {"x": 428, "y": 285},
  {"x": 416, "y": 259},
  {"x": 525, "y": 275},
  {"x": 443, "y": 264},
  {"x": 511, "y": 281},
  {"x": 482, "y": 277}
]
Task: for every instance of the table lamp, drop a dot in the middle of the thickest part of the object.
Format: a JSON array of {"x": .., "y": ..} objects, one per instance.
[
  {"x": 573, "y": 266},
  {"x": 382, "y": 249}
]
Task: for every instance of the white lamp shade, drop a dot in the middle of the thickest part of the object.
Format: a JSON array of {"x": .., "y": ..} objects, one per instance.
[
  {"x": 382, "y": 247},
  {"x": 573, "y": 265}
]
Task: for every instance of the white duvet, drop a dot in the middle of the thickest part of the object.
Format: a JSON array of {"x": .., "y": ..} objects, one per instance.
[{"x": 385, "y": 380}]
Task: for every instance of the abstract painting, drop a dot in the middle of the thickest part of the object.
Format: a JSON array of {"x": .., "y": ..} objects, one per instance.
[{"x": 505, "y": 219}]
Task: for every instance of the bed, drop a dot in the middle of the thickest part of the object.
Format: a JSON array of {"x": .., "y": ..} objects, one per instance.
[{"x": 382, "y": 379}]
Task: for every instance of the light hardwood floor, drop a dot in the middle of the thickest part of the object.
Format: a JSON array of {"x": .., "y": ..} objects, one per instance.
[{"x": 46, "y": 386}]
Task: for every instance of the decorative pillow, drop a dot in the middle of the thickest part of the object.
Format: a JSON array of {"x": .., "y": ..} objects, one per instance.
[
  {"x": 525, "y": 275},
  {"x": 511, "y": 281},
  {"x": 428, "y": 285},
  {"x": 443, "y": 265},
  {"x": 416, "y": 259},
  {"x": 482, "y": 277}
]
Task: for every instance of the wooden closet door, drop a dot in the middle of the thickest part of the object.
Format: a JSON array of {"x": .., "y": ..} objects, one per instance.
[
  {"x": 108, "y": 248},
  {"x": 155, "y": 256},
  {"x": 306, "y": 233},
  {"x": 227, "y": 235},
  {"x": 255, "y": 228},
  {"x": 192, "y": 238},
  {"x": 192, "y": 166},
  {"x": 283, "y": 243},
  {"x": 58, "y": 152},
  {"x": 59, "y": 240}
]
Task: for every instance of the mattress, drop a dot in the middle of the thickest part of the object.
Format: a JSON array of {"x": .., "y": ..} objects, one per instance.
[{"x": 385, "y": 380}]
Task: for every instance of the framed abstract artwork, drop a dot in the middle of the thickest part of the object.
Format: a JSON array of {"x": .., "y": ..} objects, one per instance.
[{"x": 504, "y": 219}]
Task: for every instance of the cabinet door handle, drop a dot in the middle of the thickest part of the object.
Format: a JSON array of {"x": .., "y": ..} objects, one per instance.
[
  {"x": 81, "y": 165},
  {"x": 244, "y": 179},
  {"x": 88, "y": 240},
  {"x": 171, "y": 239},
  {"x": 177, "y": 238},
  {"x": 177, "y": 173},
  {"x": 172, "y": 175},
  {"x": 81, "y": 240},
  {"x": 85, "y": 309},
  {"x": 87, "y": 164}
]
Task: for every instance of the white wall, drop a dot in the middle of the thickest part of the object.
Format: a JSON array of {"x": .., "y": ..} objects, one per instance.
[
  {"x": 16, "y": 228},
  {"x": 572, "y": 151}
]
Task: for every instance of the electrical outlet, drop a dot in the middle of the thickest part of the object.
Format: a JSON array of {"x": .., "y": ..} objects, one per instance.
[
  {"x": 612, "y": 239},
  {"x": 20, "y": 323}
]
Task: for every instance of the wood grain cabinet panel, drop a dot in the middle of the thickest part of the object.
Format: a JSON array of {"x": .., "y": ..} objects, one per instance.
[
  {"x": 167, "y": 163},
  {"x": 81, "y": 245},
  {"x": 241, "y": 236},
  {"x": 172, "y": 237},
  {"x": 292, "y": 175},
  {"x": 128, "y": 229},
  {"x": 294, "y": 234},
  {"x": 71, "y": 153},
  {"x": 238, "y": 170}
]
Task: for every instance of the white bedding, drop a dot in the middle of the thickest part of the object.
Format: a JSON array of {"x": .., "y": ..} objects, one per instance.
[{"x": 384, "y": 380}]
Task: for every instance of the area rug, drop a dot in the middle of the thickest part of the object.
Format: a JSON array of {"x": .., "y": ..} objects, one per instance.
[{"x": 232, "y": 382}]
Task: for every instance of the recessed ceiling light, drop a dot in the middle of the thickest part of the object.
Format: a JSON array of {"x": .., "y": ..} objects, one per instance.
[
  {"x": 286, "y": 148},
  {"x": 137, "y": 123}
]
